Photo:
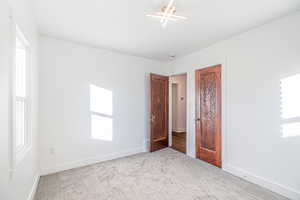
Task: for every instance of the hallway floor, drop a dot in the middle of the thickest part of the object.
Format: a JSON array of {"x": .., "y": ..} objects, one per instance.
[{"x": 179, "y": 141}]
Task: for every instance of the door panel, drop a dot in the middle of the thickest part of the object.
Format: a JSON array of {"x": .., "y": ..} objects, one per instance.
[
  {"x": 208, "y": 115},
  {"x": 159, "y": 112}
]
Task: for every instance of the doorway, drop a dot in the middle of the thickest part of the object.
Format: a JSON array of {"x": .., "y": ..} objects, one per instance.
[
  {"x": 208, "y": 115},
  {"x": 178, "y": 134}
]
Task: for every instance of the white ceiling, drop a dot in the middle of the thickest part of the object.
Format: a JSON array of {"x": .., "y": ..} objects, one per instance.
[{"x": 121, "y": 24}]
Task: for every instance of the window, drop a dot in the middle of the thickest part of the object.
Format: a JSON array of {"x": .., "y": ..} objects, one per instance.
[{"x": 21, "y": 100}]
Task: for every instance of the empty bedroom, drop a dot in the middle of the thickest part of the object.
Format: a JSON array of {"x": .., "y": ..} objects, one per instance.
[{"x": 150, "y": 100}]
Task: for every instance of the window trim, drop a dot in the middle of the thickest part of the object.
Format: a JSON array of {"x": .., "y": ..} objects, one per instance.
[{"x": 19, "y": 153}]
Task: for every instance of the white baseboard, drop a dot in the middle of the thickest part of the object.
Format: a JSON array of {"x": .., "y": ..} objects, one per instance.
[
  {"x": 91, "y": 160},
  {"x": 271, "y": 185},
  {"x": 34, "y": 187}
]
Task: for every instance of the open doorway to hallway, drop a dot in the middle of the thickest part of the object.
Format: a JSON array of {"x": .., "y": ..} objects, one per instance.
[{"x": 178, "y": 133}]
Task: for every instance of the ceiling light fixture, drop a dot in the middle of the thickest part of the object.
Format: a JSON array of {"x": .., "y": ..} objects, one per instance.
[{"x": 166, "y": 14}]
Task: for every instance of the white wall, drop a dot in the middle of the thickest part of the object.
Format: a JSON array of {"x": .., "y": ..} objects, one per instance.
[
  {"x": 20, "y": 185},
  {"x": 179, "y": 116},
  {"x": 253, "y": 64},
  {"x": 174, "y": 102},
  {"x": 67, "y": 70}
]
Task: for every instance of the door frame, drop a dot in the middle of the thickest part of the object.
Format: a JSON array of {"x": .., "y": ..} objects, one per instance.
[{"x": 171, "y": 110}]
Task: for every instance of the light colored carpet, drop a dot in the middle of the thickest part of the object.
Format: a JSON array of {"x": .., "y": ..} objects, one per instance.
[{"x": 163, "y": 175}]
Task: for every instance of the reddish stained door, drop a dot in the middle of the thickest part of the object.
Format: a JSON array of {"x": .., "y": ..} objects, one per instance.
[
  {"x": 159, "y": 112},
  {"x": 208, "y": 115}
]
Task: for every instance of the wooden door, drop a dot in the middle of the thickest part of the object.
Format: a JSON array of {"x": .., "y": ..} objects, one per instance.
[
  {"x": 208, "y": 115},
  {"x": 159, "y": 112}
]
